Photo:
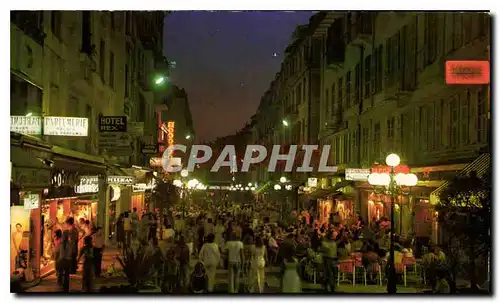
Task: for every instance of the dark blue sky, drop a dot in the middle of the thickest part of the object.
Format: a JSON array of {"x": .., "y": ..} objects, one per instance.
[{"x": 226, "y": 61}]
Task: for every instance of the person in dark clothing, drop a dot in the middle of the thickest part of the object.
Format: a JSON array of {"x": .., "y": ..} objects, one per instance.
[
  {"x": 152, "y": 227},
  {"x": 88, "y": 264},
  {"x": 73, "y": 232},
  {"x": 120, "y": 232},
  {"x": 201, "y": 236},
  {"x": 183, "y": 256},
  {"x": 315, "y": 240}
]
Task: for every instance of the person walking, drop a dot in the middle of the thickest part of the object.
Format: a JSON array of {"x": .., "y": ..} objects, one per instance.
[
  {"x": 88, "y": 264},
  {"x": 258, "y": 265},
  {"x": 120, "y": 232},
  {"x": 234, "y": 248},
  {"x": 183, "y": 255},
  {"x": 98, "y": 243},
  {"x": 210, "y": 256},
  {"x": 64, "y": 260},
  {"x": 127, "y": 227},
  {"x": 73, "y": 234},
  {"x": 329, "y": 253}
]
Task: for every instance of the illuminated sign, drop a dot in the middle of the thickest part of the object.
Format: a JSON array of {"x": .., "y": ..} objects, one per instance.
[
  {"x": 467, "y": 72},
  {"x": 381, "y": 169},
  {"x": 89, "y": 180},
  {"x": 86, "y": 188},
  {"x": 170, "y": 133},
  {"x": 140, "y": 187},
  {"x": 26, "y": 125},
  {"x": 357, "y": 174},
  {"x": 155, "y": 162},
  {"x": 312, "y": 182},
  {"x": 66, "y": 126},
  {"x": 124, "y": 180},
  {"x": 31, "y": 201}
]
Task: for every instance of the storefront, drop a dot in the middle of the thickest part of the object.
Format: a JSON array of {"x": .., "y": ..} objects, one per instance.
[{"x": 30, "y": 176}]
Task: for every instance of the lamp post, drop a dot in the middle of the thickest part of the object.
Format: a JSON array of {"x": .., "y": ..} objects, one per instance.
[
  {"x": 184, "y": 174},
  {"x": 392, "y": 181}
]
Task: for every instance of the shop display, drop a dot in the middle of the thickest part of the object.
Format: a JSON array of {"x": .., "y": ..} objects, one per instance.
[{"x": 19, "y": 240}]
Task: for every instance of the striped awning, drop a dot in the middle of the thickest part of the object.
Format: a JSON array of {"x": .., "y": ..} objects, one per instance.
[{"x": 480, "y": 165}]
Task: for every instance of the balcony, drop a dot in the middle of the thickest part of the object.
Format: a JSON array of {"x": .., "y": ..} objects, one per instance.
[
  {"x": 361, "y": 31},
  {"x": 31, "y": 23}
]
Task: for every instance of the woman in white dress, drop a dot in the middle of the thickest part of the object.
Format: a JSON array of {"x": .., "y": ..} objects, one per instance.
[
  {"x": 259, "y": 264},
  {"x": 291, "y": 278},
  {"x": 210, "y": 256}
]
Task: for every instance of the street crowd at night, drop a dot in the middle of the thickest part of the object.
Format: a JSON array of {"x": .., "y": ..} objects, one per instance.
[{"x": 150, "y": 153}]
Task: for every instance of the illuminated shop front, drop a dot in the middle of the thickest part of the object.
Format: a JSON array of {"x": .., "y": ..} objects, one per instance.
[{"x": 30, "y": 174}]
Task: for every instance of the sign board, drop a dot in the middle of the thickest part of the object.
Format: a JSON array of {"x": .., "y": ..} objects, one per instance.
[
  {"x": 136, "y": 128},
  {"x": 84, "y": 180},
  {"x": 140, "y": 187},
  {"x": 31, "y": 201},
  {"x": 380, "y": 169},
  {"x": 26, "y": 125},
  {"x": 123, "y": 180},
  {"x": 357, "y": 174},
  {"x": 312, "y": 182},
  {"x": 468, "y": 72},
  {"x": 150, "y": 149},
  {"x": 113, "y": 124},
  {"x": 86, "y": 188},
  {"x": 66, "y": 126},
  {"x": 113, "y": 140}
]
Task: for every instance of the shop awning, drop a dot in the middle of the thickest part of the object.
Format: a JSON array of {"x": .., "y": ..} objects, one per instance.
[
  {"x": 76, "y": 161},
  {"x": 481, "y": 166}
]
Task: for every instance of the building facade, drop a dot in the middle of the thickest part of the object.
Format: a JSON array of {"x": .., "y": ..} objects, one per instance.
[
  {"x": 82, "y": 64},
  {"x": 382, "y": 90}
]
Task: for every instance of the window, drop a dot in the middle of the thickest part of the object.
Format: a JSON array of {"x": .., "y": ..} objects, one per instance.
[
  {"x": 422, "y": 122},
  {"x": 390, "y": 129},
  {"x": 126, "y": 81},
  {"x": 366, "y": 141},
  {"x": 340, "y": 99},
  {"x": 128, "y": 23},
  {"x": 431, "y": 38},
  {"x": 112, "y": 20},
  {"x": 328, "y": 107},
  {"x": 89, "y": 142},
  {"x": 354, "y": 144},
  {"x": 464, "y": 118},
  {"x": 55, "y": 23},
  {"x": 348, "y": 90},
  {"x": 111, "y": 69},
  {"x": 467, "y": 27},
  {"x": 102, "y": 60},
  {"x": 379, "y": 72},
  {"x": 333, "y": 106},
  {"x": 438, "y": 137},
  {"x": 357, "y": 84},
  {"x": 454, "y": 123},
  {"x": 482, "y": 116},
  {"x": 376, "y": 140},
  {"x": 458, "y": 32},
  {"x": 304, "y": 91},
  {"x": 298, "y": 94},
  {"x": 368, "y": 75},
  {"x": 347, "y": 148},
  {"x": 430, "y": 124}
]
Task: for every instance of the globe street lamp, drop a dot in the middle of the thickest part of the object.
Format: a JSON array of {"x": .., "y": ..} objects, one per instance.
[{"x": 392, "y": 181}]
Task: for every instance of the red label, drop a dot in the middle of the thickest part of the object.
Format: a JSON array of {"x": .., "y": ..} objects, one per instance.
[
  {"x": 467, "y": 72},
  {"x": 380, "y": 169}
]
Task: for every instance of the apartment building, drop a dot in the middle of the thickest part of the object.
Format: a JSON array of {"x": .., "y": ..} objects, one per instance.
[
  {"x": 383, "y": 90},
  {"x": 81, "y": 64},
  {"x": 289, "y": 110}
]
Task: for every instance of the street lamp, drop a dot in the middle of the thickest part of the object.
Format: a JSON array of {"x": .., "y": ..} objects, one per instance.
[
  {"x": 159, "y": 80},
  {"x": 283, "y": 180},
  {"x": 188, "y": 137},
  {"x": 285, "y": 123},
  {"x": 184, "y": 173},
  {"x": 392, "y": 181}
]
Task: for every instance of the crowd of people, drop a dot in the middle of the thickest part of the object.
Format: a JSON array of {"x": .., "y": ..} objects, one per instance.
[
  {"x": 192, "y": 243},
  {"x": 245, "y": 242},
  {"x": 74, "y": 242}
]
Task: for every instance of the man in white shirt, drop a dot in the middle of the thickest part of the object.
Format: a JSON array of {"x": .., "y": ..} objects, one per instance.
[{"x": 234, "y": 248}]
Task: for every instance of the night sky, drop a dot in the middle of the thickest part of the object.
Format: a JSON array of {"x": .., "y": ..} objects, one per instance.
[{"x": 226, "y": 61}]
